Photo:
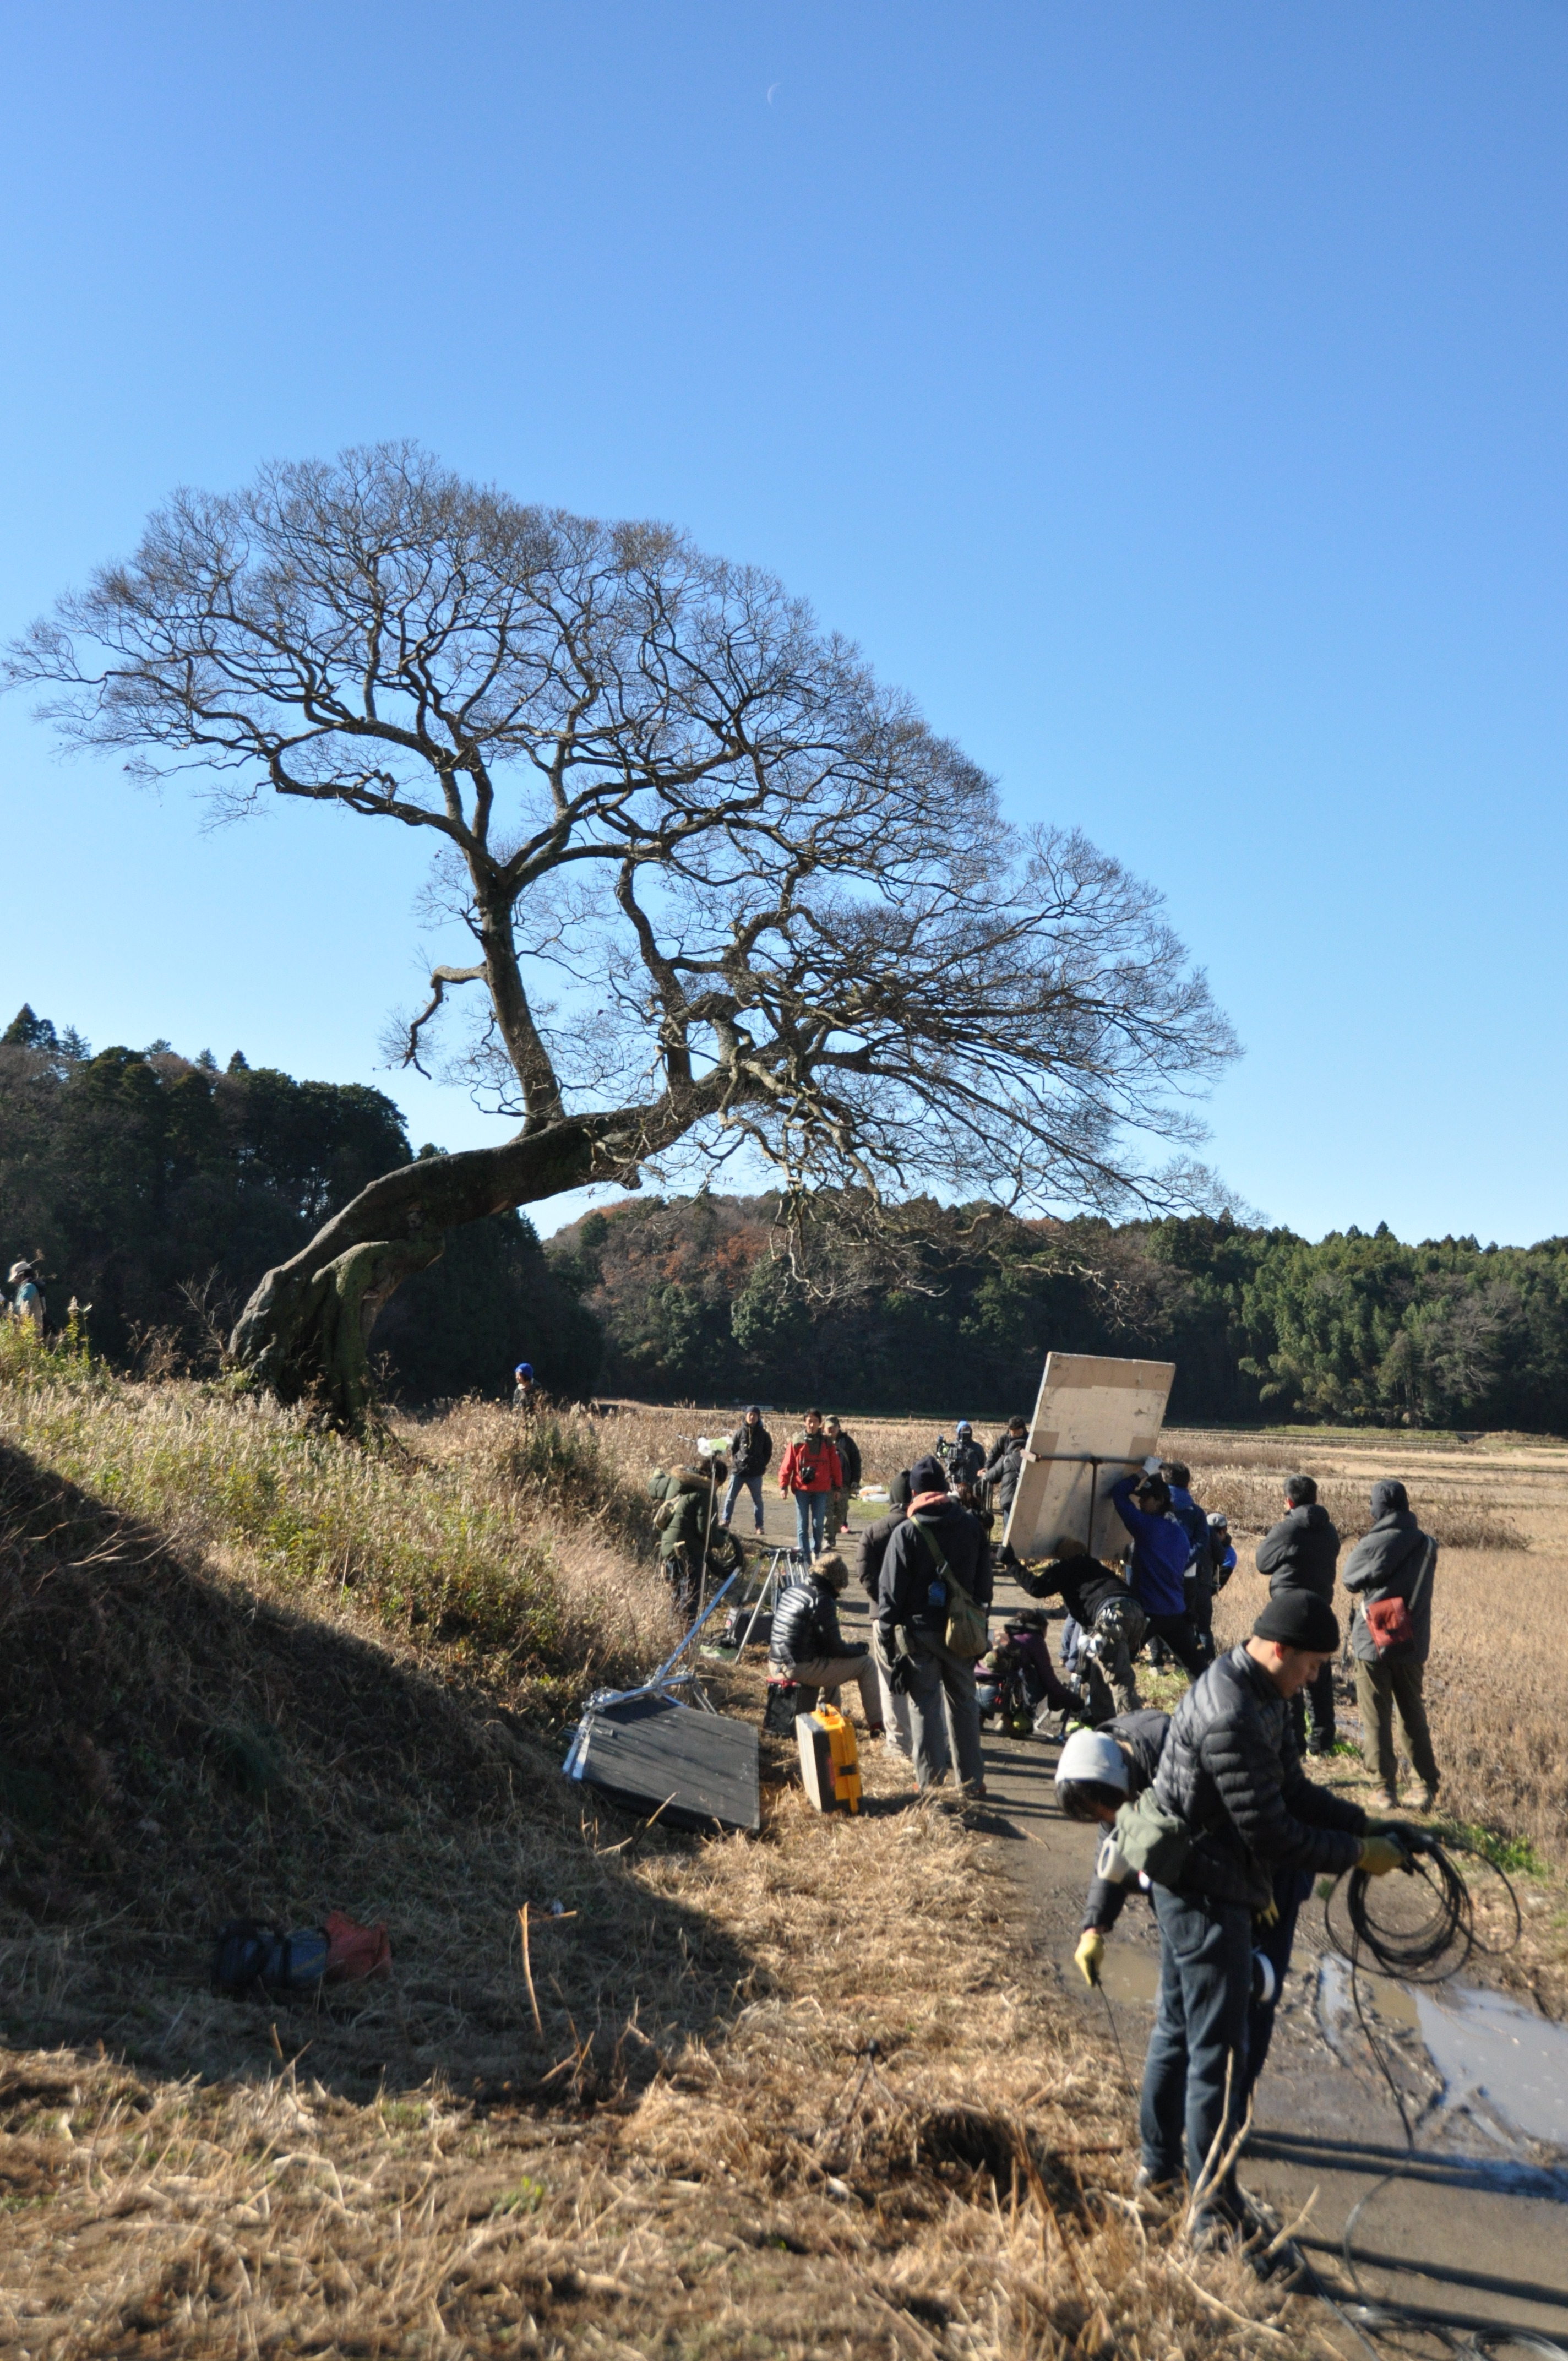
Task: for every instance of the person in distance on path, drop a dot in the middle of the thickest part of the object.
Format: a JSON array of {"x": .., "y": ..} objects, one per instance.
[
  {"x": 1231, "y": 1773},
  {"x": 849, "y": 1483},
  {"x": 1395, "y": 1560},
  {"x": 1110, "y": 1618},
  {"x": 1161, "y": 1546},
  {"x": 965, "y": 1460},
  {"x": 913, "y": 1606},
  {"x": 751, "y": 1448},
  {"x": 806, "y": 1645},
  {"x": 1006, "y": 1465},
  {"x": 1301, "y": 1553},
  {"x": 811, "y": 1471}
]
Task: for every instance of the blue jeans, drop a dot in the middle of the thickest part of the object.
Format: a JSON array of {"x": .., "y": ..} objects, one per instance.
[
  {"x": 1205, "y": 1989},
  {"x": 753, "y": 1484},
  {"x": 810, "y": 1519},
  {"x": 1291, "y": 1887}
]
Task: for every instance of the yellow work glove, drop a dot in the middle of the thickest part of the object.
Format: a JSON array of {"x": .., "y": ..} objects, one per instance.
[
  {"x": 1380, "y": 1854},
  {"x": 1089, "y": 1952},
  {"x": 1268, "y": 1916}
]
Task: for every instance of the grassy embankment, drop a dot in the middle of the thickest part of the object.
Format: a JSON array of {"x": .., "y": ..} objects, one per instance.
[{"x": 248, "y": 1669}]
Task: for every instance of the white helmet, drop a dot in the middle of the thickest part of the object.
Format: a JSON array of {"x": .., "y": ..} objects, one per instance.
[{"x": 1093, "y": 1759}]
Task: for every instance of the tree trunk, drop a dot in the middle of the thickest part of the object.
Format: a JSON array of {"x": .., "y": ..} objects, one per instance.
[{"x": 305, "y": 1333}]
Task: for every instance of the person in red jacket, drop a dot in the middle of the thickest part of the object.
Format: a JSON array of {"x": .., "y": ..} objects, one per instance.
[{"x": 810, "y": 1471}]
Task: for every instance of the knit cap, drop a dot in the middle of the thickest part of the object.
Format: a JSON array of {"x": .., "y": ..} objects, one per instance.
[{"x": 1299, "y": 1619}]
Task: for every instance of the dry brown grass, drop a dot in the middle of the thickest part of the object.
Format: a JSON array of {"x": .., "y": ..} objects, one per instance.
[
  {"x": 1498, "y": 1673},
  {"x": 695, "y": 2148}
]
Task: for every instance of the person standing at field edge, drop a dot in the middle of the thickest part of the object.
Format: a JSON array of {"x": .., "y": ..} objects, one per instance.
[
  {"x": 1395, "y": 1560},
  {"x": 811, "y": 1471},
  {"x": 849, "y": 1484},
  {"x": 1301, "y": 1553},
  {"x": 751, "y": 1448}
]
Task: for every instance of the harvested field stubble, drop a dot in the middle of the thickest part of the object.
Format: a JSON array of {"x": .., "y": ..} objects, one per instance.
[{"x": 695, "y": 2146}]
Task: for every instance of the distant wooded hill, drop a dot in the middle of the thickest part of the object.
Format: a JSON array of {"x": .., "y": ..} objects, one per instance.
[
  {"x": 693, "y": 1303},
  {"x": 157, "y": 1188}
]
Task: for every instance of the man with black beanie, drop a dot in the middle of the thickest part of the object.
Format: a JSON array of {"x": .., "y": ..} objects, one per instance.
[
  {"x": 937, "y": 1543},
  {"x": 1301, "y": 1553},
  {"x": 1231, "y": 1773}
]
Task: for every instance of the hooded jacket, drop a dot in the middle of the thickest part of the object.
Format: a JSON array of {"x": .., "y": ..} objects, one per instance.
[
  {"x": 912, "y": 1590},
  {"x": 1386, "y": 1564},
  {"x": 806, "y": 1623},
  {"x": 1160, "y": 1551},
  {"x": 1230, "y": 1769},
  {"x": 811, "y": 1465},
  {"x": 1141, "y": 1737},
  {"x": 1006, "y": 1465},
  {"x": 1301, "y": 1552},
  {"x": 848, "y": 1452},
  {"x": 751, "y": 1448}
]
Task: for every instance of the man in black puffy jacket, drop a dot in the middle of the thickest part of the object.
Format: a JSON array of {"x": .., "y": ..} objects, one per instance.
[
  {"x": 913, "y": 1606},
  {"x": 806, "y": 1644},
  {"x": 1299, "y": 1554},
  {"x": 1230, "y": 1773}
]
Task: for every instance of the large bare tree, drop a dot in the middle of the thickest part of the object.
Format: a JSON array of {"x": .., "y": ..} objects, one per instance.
[{"x": 729, "y": 896}]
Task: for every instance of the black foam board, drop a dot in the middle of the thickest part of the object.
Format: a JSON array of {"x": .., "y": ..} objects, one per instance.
[{"x": 701, "y": 1767}]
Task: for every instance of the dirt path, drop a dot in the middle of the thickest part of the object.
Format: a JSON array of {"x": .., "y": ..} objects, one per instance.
[{"x": 1473, "y": 2233}]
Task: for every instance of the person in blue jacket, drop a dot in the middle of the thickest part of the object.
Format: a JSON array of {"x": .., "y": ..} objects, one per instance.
[
  {"x": 1200, "y": 1575},
  {"x": 1161, "y": 1548}
]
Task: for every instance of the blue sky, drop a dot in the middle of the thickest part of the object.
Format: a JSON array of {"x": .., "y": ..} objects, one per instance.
[{"x": 1171, "y": 398}]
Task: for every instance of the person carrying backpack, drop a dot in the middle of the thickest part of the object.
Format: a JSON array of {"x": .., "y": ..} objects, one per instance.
[
  {"x": 1390, "y": 1573},
  {"x": 934, "y": 1590},
  {"x": 811, "y": 1471}
]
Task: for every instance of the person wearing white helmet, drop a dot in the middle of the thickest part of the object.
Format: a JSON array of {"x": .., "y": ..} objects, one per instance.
[{"x": 1098, "y": 1771}]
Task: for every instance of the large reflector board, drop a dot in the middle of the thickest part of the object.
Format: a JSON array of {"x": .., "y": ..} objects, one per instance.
[{"x": 1095, "y": 1418}]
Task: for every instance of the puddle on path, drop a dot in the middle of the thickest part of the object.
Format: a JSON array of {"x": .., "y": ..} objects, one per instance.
[
  {"x": 1481, "y": 2041},
  {"x": 1131, "y": 1974}
]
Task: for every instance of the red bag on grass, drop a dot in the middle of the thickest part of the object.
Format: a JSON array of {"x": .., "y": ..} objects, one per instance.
[{"x": 354, "y": 1952}]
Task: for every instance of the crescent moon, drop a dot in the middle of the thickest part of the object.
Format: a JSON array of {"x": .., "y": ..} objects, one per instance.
[{"x": 771, "y": 87}]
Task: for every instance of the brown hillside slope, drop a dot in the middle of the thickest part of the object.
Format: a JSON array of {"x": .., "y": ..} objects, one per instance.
[{"x": 694, "y": 2146}]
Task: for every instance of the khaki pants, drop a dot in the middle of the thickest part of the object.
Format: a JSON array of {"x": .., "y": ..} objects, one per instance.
[
  {"x": 837, "y": 1513},
  {"x": 1381, "y": 1688},
  {"x": 829, "y": 1673}
]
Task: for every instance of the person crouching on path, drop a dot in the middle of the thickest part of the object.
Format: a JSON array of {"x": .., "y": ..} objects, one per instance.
[
  {"x": 1110, "y": 1621},
  {"x": 810, "y": 1471},
  {"x": 873, "y": 1549},
  {"x": 1301, "y": 1553},
  {"x": 806, "y": 1645},
  {"x": 1395, "y": 1560},
  {"x": 1161, "y": 1546},
  {"x": 1231, "y": 1773},
  {"x": 751, "y": 1448},
  {"x": 849, "y": 1483},
  {"x": 936, "y": 1538}
]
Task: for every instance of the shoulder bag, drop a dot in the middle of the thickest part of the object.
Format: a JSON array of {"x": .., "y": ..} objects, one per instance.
[
  {"x": 968, "y": 1634},
  {"x": 1392, "y": 1621}
]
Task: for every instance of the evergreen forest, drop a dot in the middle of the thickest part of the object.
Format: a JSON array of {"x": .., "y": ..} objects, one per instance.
[{"x": 158, "y": 1188}]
